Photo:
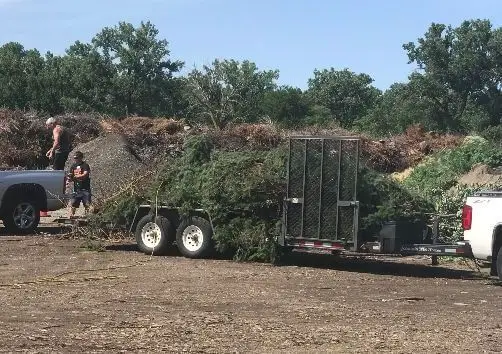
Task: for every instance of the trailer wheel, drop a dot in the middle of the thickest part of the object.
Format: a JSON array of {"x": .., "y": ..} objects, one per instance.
[
  {"x": 22, "y": 216},
  {"x": 499, "y": 263},
  {"x": 153, "y": 237},
  {"x": 194, "y": 237}
]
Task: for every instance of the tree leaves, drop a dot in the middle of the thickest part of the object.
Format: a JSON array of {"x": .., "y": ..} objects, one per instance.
[
  {"x": 458, "y": 66},
  {"x": 347, "y": 95},
  {"x": 128, "y": 70},
  {"x": 228, "y": 90}
]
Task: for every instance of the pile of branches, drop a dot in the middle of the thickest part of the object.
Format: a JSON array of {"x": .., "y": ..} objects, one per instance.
[
  {"x": 405, "y": 150},
  {"x": 388, "y": 155},
  {"x": 24, "y": 139}
]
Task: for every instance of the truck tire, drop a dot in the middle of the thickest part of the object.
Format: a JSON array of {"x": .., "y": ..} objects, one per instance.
[
  {"x": 194, "y": 237},
  {"x": 154, "y": 237},
  {"x": 499, "y": 264},
  {"x": 21, "y": 216}
]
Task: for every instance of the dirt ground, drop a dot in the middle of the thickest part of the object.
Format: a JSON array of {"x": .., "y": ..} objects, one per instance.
[{"x": 59, "y": 297}]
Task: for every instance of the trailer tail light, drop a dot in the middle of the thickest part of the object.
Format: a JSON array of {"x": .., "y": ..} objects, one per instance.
[{"x": 467, "y": 217}]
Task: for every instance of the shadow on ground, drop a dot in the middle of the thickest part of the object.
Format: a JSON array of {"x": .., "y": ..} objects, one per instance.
[
  {"x": 386, "y": 266},
  {"x": 378, "y": 266},
  {"x": 42, "y": 231}
]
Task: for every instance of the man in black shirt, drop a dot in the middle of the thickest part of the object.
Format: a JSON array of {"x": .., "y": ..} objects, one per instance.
[{"x": 80, "y": 175}]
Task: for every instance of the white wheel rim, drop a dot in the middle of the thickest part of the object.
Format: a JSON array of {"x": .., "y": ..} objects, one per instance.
[
  {"x": 151, "y": 234},
  {"x": 192, "y": 238},
  {"x": 24, "y": 215}
]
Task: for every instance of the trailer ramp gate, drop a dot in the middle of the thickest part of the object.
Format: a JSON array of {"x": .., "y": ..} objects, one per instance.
[{"x": 321, "y": 207}]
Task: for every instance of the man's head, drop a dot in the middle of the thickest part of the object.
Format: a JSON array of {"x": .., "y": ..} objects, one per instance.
[
  {"x": 78, "y": 156},
  {"x": 51, "y": 123}
]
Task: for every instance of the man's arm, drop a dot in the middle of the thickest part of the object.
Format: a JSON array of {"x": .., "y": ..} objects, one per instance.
[
  {"x": 85, "y": 172},
  {"x": 82, "y": 175}
]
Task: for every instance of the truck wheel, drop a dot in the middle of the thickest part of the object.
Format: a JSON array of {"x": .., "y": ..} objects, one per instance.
[
  {"x": 153, "y": 237},
  {"x": 22, "y": 216},
  {"x": 499, "y": 263},
  {"x": 194, "y": 237}
]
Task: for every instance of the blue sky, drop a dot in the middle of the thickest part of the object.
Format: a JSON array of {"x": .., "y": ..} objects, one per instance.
[{"x": 294, "y": 36}]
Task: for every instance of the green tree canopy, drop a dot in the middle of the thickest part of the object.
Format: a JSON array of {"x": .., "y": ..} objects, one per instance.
[
  {"x": 347, "y": 95},
  {"x": 228, "y": 91}
]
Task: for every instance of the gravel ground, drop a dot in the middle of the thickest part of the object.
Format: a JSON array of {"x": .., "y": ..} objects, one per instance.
[{"x": 58, "y": 297}]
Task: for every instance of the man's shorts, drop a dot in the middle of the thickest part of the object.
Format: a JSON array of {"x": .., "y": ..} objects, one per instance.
[
  {"x": 81, "y": 196},
  {"x": 59, "y": 160}
]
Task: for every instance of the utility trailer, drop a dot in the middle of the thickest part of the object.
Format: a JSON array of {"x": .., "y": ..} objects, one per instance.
[{"x": 320, "y": 212}]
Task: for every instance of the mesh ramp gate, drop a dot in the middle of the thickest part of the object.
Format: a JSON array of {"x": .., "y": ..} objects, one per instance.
[{"x": 321, "y": 207}]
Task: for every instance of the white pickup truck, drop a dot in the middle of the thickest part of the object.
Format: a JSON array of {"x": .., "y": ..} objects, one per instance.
[
  {"x": 23, "y": 194},
  {"x": 482, "y": 224}
]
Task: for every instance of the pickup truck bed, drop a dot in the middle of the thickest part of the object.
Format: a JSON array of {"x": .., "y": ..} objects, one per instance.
[{"x": 482, "y": 224}]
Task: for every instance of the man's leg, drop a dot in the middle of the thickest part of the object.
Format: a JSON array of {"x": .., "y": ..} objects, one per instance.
[
  {"x": 71, "y": 209},
  {"x": 56, "y": 165},
  {"x": 86, "y": 200},
  {"x": 60, "y": 160},
  {"x": 74, "y": 204}
]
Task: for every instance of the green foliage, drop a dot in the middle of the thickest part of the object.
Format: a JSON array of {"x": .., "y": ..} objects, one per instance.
[
  {"x": 450, "y": 202},
  {"x": 92, "y": 243},
  {"x": 249, "y": 238},
  {"x": 242, "y": 191},
  {"x": 459, "y": 65},
  {"x": 126, "y": 70},
  {"x": 436, "y": 180},
  {"x": 142, "y": 70},
  {"x": 228, "y": 91},
  {"x": 347, "y": 95},
  {"x": 287, "y": 106},
  {"x": 383, "y": 199},
  {"x": 493, "y": 134},
  {"x": 398, "y": 108},
  {"x": 440, "y": 172},
  {"x": 118, "y": 211}
]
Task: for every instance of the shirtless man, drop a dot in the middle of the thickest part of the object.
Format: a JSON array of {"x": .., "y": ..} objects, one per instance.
[{"x": 61, "y": 147}]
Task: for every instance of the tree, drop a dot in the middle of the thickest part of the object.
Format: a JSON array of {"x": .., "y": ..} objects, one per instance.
[
  {"x": 52, "y": 84},
  {"x": 399, "y": 107},
  {"x": 346, "y": 94},
  {"x": 228, "y": 91},
  {"x": 287, "y": 105},
  {"x": 89, "y": 78},
  {"x": 458, "y": 68},
  {"x": 142, "y": 67},
  {"x": 19, "y": 70}
]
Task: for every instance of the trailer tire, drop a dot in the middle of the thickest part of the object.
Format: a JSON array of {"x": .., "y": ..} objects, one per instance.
[
  {"x": 499, "y": 263},
  {"x": 154, "y": 237},
  {"x": 21, "y": 216},
  {"x": 194, "y": 237}
]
